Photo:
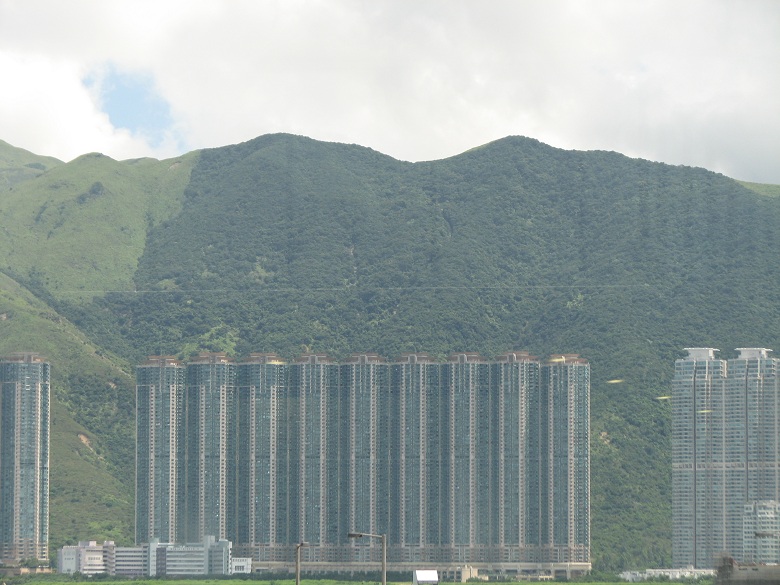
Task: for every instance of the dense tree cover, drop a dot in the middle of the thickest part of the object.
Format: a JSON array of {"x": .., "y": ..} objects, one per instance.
[{"x": 287, "y": 244}]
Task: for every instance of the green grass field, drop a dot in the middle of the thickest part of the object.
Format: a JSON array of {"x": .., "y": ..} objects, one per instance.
[{"x": 63, "y": 578}]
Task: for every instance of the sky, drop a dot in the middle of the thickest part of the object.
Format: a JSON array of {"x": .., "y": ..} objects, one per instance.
[{"x": 685, "y": 82}]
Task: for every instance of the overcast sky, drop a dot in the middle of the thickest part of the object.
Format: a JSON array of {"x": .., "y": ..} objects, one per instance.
[{"x": 694, "y": 82}]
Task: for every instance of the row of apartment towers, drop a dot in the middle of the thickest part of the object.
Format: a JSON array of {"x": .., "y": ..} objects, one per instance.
[
  {"x": 726, "y": 457},
  {"x": 464, "y": 461}
]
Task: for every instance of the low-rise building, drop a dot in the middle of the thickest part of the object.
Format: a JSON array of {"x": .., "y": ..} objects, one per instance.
[
  {"x": 131, "y": 561},
  {"x": 68, "y": 560},
  {"x": 671, "y": 574},
  {"x": 87, "y": 558},
  {"x": 154, "y": 559},
  {"x": 425, "y": 577},
  {"x": 460, "y": 574},
  {"x": 240, "y": 565}
]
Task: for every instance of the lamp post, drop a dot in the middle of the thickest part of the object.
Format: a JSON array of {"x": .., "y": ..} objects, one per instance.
[
  {"x": 298, "y": 548},
  {"x": 383, "y": 537}
]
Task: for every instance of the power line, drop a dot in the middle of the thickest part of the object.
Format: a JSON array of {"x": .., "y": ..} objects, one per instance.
[{"x": 354, "y": 289}]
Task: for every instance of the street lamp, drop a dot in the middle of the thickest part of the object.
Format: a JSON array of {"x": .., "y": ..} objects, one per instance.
[
  {"x": 298, "y": 548},
  {"x": 384, "y": 549}
]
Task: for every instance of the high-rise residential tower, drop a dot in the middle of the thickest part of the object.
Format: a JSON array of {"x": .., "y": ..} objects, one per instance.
[
  {"x": 24, "y": 457},
  {"x": 311, "y": 457},
  {"x": 725, "y": 452},
  {"x": 262, "y": 399},
  {"x": 418, "y": 435},
  {"x": 210, "y": 447},
  {"x": 364, "y": 391},
  {"x": 516, "y": 376},
  {"x": 560, "y": 415},
  {"x": 471, "y": 464},
  {"x": 699, "y": 379},
  {"x": 159, "y": 471}
]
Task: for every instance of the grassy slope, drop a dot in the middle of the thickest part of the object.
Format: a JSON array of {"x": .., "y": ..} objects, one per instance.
[
  {"x": 18, "y": 165},
  {"x": 762, "y": 189},
  {"x": 79, "y": 229},
  {"x": 87, "y": 499}
]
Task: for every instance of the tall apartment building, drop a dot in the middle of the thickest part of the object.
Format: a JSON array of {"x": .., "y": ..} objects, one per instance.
[
  {"x": 725, "y": 450},
  {"x": 470, "y": 461},
  {"x": 24, "y": 457},
  {"x": 562, "y": 414},
  {"x": 210, "y": 447},
  {"x": 160, "y": 449},
  {"x": 262, "y": 400},
  {"x": 421, "y": 416},
  {"x": 186, "y": 449}
]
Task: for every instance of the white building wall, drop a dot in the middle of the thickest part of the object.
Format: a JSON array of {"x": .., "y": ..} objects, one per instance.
[
  {"x": 68, "y": 560},
  {"x": 240, "y": 565},
  {"x": 130, "y": 561},
  {"x": 92, "y": 560},
  {"x": 186, "y": 560},
  {"x": 761, "y": 532}
]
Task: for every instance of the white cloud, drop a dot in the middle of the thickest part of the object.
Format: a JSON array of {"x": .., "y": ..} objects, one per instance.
[
  {"x": 682, "y": 82},
  {"x": 48, "y": 110}
]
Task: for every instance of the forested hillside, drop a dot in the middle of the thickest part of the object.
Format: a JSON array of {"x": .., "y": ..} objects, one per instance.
[{"x": 287, "y": 244}]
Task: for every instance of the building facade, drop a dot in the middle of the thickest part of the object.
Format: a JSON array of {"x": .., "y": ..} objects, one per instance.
[
  {"x": 725, "y": 451},
  {"x": 88, "y": 558},
  {"x": 159, "y": 486},
  {"x": 24, "y": 457},
  {"x": 262, "y": 399},
  {"x": 210, "y": 447},
  {"x": 151, "y": 559},
  {"x": 564, "y": 496},
  {"x": 761, "y": 532},
  {"x": 469, "y": 461}
]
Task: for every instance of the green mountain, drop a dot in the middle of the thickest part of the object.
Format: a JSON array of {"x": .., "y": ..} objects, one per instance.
[
  {"x": 287, "y": 244},
  {"x": 78, "y": 229},
  {"x": 18, "y": 165}
]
